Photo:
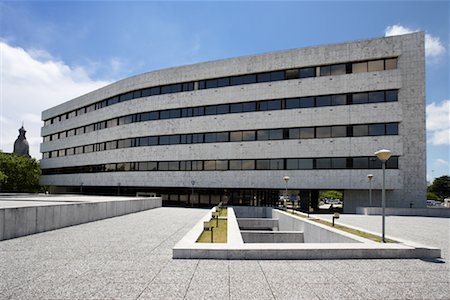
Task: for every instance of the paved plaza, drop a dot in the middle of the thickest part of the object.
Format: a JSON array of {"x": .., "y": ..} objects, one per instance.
[{"x": 130, "y": 257}]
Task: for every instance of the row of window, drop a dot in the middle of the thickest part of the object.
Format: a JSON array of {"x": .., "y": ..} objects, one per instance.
[
  {"x": 278, "y": 104},
  {"x": 235, "y": 136},
  {"x": 233, "y": 165},
  {"x": 336, "y": 69}
]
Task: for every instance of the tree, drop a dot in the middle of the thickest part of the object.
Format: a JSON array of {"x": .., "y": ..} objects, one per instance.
[
  {"x": 330, "y": 195},
  {"x": 441, "y": 187},
  {"x": 18, "y": 173},
  {"x": 432, "y": 196}
]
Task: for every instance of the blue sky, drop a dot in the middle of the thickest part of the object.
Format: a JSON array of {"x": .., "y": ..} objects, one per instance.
[{"x": 84, "y": 45}]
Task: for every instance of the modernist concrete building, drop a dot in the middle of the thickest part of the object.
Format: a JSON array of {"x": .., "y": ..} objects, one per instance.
[{"x": 231, "y": 129}]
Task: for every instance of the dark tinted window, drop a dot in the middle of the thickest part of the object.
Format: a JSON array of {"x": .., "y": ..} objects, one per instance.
[
  {"x": 210, "y": 110},
  {"x": 174, "y": 139},
  {"x": 175, "y": 113},
  {"x": 249, "y": 106},
  {"x": 155, "y": 91},
  {"x": 163, "y": 166},
  {"x": 307, "y": 72},
  {"x": 152, "y": 140},
  {"x": 338, "y": 69},
  {"x": 276, "y": 134},
  {"x": 210, "y": 137},
  {"x": 360, "y": 163},
  {"x": 307, "y": 133},
  {"x": 263, "y": 164},
  {"x": 165, "y": 114},
  {"x": 294, "y": 133},
  {"x": 137, "y": 94},
  {"x": 223, "y": 82},
  {"x": 325, "y": 71},
  {"x": 126, "y": 97},
  {"x": 391, "y": 95},
  {"x": 264, "y": 77},
  {"x": 392, "y": 163},
  {"x": 359, "y": 98},
  {"x": 277, "y": 75},
  {"x": 149, "y": 116},
  {"x": 249, "y": 135},
  {"x": 339, "y": 131},
  {"x": 339, "y": 100},
  {"x": 323, "y": 101},
  {"x": 276, "y": 164},
  {"x": 146, "y": 93},
  {"x": 376, "y": 129},
  {"x": 360, "y": 130},
  {"x": 305, "y": 163},
  {"x": 292, "y": 103},
  {"x": 236, "y": 107},
  {"x": 223, "y": 109},
  {"x": 263, "y": 135},
  {"x": 292, "y": 74},
  {"x": 292, "y": 164},
  {"x": 376, "y": 97},
  {"x": 186, "y": 112},
  {"x": 307, "y": 102},
  {"x": 392, "y": 129},
  {"x": 339, "y": 163},
  {"x": 222, "y": 137},
  {"x": 211, "y": 83},
  {"x": 198, "y": 111},
  {"x": 323, "y": 163},
  {"x": 174, "y": 166},
  {"x": 164, "y": 140},
  {"x": 323, "y": 132}
]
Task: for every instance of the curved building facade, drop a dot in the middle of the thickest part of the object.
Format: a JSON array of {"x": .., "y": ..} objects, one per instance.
[{"x": 231, "y": 129}]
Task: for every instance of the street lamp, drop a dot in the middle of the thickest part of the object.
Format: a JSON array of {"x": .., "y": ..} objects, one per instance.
[
  {"x": 192, "y": 197},
  {"x": 370, "y": 177},
  {"x": 286, "y": 179},
  {"x": 383, "y": 155}
]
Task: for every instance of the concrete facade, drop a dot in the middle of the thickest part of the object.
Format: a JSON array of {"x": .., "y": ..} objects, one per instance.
[{"x": 405, "y": 185}]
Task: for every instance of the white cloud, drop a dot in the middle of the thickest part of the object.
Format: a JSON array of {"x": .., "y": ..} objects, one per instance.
[
  {"x": 33, "y": 81},
  {"x": 433, "y": 45},
  {"x": 441, "y": 162},
  {"x": 438, "y": 123}
]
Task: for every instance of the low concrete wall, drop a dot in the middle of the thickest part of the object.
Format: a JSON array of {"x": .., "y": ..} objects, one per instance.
[
  {"x": 272, "y": 236},
  {"x": 257, "y": 223},
  {"x": 313, "y": 232},
  {"x": 392, "y": 211},
  {"x": 22, "y": 221},
  {"x": 252, "y": 212}
]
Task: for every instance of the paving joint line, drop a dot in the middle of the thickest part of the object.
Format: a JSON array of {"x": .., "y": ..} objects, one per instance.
[
  {"x": 190, "y": 280},
  {"x": 267, "y": 281}
]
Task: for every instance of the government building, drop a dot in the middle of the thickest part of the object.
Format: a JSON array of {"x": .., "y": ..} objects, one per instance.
[{"x": 230, "y": 130}]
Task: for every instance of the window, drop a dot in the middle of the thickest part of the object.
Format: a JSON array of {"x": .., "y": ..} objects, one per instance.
[
  {"x": 338, "y": 163},
  {"x": 124, "y": 143},
  {"x": 99, "y": 147},
  {"x": 175, "y": 113},
  {"x": 222, "y": 136},
  {"x": 392, "y": 163},
  {"x": 391, "y": 63},
  {"x": 210, "y": 137},
  {"x": 338, "y": 69},
  {"x": 374, "y": 163},
  {"x": 359, "y": 67},
  {"x": 376, "y": 129},
  {"x": 294, "y": 133},
  {"x": 163, "y": 166},
  {"x": 263, "y": 77},
  {"x": 360, "y": 98},
  {"x": 111, "y": 145},
  {"x": 376, "y": 65},
  {"x": 277, "y": 75},
  {"x": 307, "y": 102},
  {"x": 323, "y": 101},
  {"x": 152, "y": 140},
  {"x": 391, "y": 95},
  {"x": 164, "y": 140},
  {"x": 176, "y": 88},
  {"x": 89, "y": 128},
  {"x": 197, "y": 165},
  {"x": 223, "y": 109},
  {"x": 111, "y": 123},
  {"x": 125, "y": 120},
  {"x": 292, "y": 74},
  {"x": 70, "y": 151},
  {"x": 307, "y": 133},
  {"x": 221, "y": 165},
  {"x": 249, "y": 135},
  {"x": 249, "y": 106},
  {"x": 323, "y": 132},
  {"x": 235, "y": 165},
  {"x": 305, "y": 164},
  {"x": 325, "y": 71},
  {"x": 263, "y": 164},
  {"x": 113, "y": 100},
  {"x": 360, "y": 163},
  {"x": 61, "y": 152},
  {"x": 360, "y": 130},
  {"x": 88, "y": 148},
  {"x": 339, "y": 100},
  {"x": 137, "y": 94},
  {"x": 263, "y": 135},
  {"x": 79, "y": 130},
  {"x": 186, "y": 112},
  {"x": 270, "y": 105},
  {"x": 236, "y": 136},
  {"x": 79, "y": 150},
  {"x": 62, "y": 134},
  {"x": 292, "y": 103},
  {"x": 307, "y": 72},
  {"x": 71, "y": 132},
  {"x": 185, "y": 166},
  {"x": 248, "y": 164},
  {"x": 375, "y": 97},
  {"x": 323, "y": 163},
  {"x": 236, "y": 108},
  {"x": 145, "y": 93},
  {"x": 392, "y": 129},
  {"x": 174, "y": 139},
  {"x": 292, "y": 164},
  {"x": 221, "y": 82},
  {"x": 211, "y": 83},
  {"x": 211, "y": 110},
  {"x": 197, "y": 138},
  {"x": 198, "y": 111},
  {"x": 149, "y": 116},
  {"x": 339, "y": 131},
  {"x": 276, "y": 164},
  {"x": 174, "y": 166},
  {"x": 210, "y": 165},
  {"x": 276, "y": 134},
  {"x": 155, "y": 91}
]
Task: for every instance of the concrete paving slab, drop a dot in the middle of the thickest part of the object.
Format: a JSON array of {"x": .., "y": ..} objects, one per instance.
[{"x": 60, "y": 264}]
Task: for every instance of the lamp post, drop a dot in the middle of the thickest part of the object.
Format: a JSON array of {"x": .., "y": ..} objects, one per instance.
[
  {"x": 370, "y": 177},
  {"x": 192, "y": 196},
  {"x": 383, "y": 155},
  {"x": 286, "y": 179}
]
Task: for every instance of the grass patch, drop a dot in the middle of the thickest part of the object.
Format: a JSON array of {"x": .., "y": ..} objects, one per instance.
[
  {"x": 360, "y": 233},
  {"x": 220, "y": 232},
  {"x": 223, "y": 212}
]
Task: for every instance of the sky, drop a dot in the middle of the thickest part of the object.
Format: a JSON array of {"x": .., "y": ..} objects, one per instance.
[{"x": 52, "y": 52}]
